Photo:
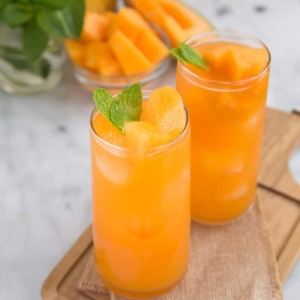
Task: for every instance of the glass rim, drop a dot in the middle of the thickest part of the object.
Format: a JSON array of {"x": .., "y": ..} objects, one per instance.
[
  {"x": 235, "y": 83},
  {"x": 156, "y": 149}
]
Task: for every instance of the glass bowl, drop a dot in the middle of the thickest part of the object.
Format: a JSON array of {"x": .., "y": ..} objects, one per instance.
[{"x": 115, "y": 84}]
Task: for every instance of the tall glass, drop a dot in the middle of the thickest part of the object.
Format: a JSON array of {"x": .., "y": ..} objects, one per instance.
[
  {"x": 227, "y": 120},
  {"x": 141, "y": 214}
]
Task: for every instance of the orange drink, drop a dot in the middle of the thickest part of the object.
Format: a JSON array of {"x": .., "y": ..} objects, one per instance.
[
  {"x": 227, "y": 110},
  {"x": 141, "y": 197}
]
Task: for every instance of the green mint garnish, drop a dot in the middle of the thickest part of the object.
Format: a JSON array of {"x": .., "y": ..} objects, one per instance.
[
  {"x": 127, "y": 107},
  {"x": 187, "y": 54}
]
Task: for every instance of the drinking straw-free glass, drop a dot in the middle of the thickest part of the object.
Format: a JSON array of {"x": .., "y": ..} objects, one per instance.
[
  {"x": 141, "y": 213},
  {"x": 227, "y": 119}
]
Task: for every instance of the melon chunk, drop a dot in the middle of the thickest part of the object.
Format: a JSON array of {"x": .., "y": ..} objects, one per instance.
[
  {"x": 152, "y": 47},
  {"x": 179, "y": 12},
  {"x": 92, "y": 55},
  {"x": 237, "y": 61},
  {"x": 95, "y": 27},
  {"x": 177, "y": 19},
  {"x": 132, "y": 60},
  {"x": 142, "y": 136},
  {"x": 76, "y": 51},
  {"x": 150, "y": 10},
  {"x": 246, "y": 61},
  {"x": 130, "y": 22},
  {"x": 165, "y": 109},
  {"x": 107, "y": 62}
]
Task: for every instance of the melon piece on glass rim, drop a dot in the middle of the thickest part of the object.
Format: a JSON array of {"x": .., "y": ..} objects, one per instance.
[
  {"x": 165, "y": 109},
  {"x": 142, "y": 135}
]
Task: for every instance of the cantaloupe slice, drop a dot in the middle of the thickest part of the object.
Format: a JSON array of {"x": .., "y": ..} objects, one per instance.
[
  {"x": 174, "y": 30},
  {"x": 179, "y": 12},
  {"x": 236, "y": 61},
  {"x": 107, "y": 62},
  {"x": 184, "y": 21},
  {"x": 246, "y": 61},
  {"x": 165, "y": 109},
  {"x": 142, "y": 135},
  {"x": 151, "y": 46},
  {"x": 76, "y": 51},
  {"x": 95, "y": 27},
  {"x": 92, "y": 55},
  {"x": 150, "y": 10},
  {"x": 130, "y": 22},
  {"x": 132, "y": 60},
  {"x": 218, "y": 57}
]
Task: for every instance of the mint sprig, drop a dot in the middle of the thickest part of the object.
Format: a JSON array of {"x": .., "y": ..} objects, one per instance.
[
  {"x": 186, "y": 53},
  {"x": 127, "y": 107},
  {"x": 38, "y": 21}
]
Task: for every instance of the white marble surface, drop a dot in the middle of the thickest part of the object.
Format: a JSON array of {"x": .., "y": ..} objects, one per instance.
[{"x": 44, "y": 151}]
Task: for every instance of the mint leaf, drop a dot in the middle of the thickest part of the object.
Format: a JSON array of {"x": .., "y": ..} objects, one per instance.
[
  {"x": 15, "y": 14},
  {"x": 127, "y": 107},
  {"x": 103, "y": 101},
  {"x": 4, "y": 2},
  {"x": 34, "y": 41},
  {"x": 187, "y": 54},
  {"x": 52, "y": 4},
  {"x": 67, "y": 22},
  {"x": 51, "y": 22}
]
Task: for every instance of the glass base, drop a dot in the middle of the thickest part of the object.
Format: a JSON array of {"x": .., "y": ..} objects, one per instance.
[
  {"x": 207, "y": 223},
  {"x": 137, "y": 294},
  {"x": 16, "y": 86}
]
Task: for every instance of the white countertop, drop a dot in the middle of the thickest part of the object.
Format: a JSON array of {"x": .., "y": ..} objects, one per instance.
[{"x": 45, "y": 198}]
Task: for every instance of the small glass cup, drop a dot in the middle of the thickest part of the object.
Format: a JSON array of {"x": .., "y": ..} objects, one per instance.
[
  {"x": 141, "y": 214},
  {"x": 227, "y": 120}
]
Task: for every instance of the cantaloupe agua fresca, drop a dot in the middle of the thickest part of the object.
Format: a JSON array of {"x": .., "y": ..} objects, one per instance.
[
  {"x": 140, "y": 147},
  {"x": 226, "y": 100}
]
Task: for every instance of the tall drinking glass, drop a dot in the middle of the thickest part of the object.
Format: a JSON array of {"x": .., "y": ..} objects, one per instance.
[
  {"x": 227, "y": 120},
  {"x": 141, "y": 213}
]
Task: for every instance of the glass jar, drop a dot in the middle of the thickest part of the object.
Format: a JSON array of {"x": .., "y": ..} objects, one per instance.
[{"x": 17, "y": 76}]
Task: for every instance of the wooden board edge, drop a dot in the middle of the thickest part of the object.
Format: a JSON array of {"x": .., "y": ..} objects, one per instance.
[
  {"x": 296, "y": 111},
  {"x": 289, "y": 255},
  {"x": 282, "y": 194},
  {"x": 51, "y": 283}
]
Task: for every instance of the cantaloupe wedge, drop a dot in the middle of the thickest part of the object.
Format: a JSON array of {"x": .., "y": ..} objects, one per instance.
[
  {"x": 184, "y": 21},
  {"x": 130, "y": 22},
  {"x": 246, "y": 62},
  {"x": 152, "y": 47},
  {"x": 132, "y": 60},
  {"x": 165, "y": 110},
  {"x": 237, "y": 61},
  {"x": 76, "y": 52},
  {"x": 150, "y": 10},
  {"x": 95, "y": 27},
  {"x": 142, "y": 136},
  {"x": 92, "y": 55},
  {"x": 107, "y": 62}
]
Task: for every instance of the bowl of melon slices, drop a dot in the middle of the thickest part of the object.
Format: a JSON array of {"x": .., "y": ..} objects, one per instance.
[{"x": 116, "y": 49}]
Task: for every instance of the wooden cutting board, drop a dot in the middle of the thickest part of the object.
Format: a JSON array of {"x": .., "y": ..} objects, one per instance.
[{"x": 281, "y": 207}]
